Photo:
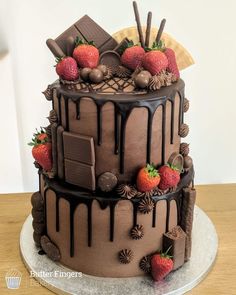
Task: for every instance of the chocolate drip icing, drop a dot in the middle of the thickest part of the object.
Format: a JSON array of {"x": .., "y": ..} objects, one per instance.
[
  {"x": 123, "y": 106},
  {"x": 75, "y": 197}
]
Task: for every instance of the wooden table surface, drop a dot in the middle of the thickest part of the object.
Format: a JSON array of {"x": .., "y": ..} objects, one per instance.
[{"x": 218, "y": 201}]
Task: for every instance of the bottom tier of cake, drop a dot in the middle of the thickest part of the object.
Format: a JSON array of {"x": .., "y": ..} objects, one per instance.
[{"x": 106, "y": 236}]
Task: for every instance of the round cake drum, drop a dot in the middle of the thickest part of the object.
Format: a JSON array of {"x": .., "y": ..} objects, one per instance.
[{"x": 204, "y": 241}]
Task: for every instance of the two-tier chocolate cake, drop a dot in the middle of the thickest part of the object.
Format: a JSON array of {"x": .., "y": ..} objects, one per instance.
[{"x": 116, "y": 183}]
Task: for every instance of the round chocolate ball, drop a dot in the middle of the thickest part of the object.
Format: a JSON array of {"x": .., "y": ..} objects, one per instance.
[
  {"x": 188, "y": 163},
  {"x": 96, "y": 76},
  {"x": 103, "y": 69},
  {"x": 141, "y": 80},
  {"x": 107, "y": 181},
  {"x": 84, "y": 73},
  {"x": 149, "y": 75}
]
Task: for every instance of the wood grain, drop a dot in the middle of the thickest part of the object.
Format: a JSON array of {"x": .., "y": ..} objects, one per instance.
[{"x": 218, "y": 201}]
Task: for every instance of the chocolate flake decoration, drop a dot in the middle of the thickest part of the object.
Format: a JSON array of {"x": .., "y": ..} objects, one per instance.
[
  {"x": 184, "y": 149},
  {"x": 145, "y": 205},
  {"x": 184, "y": 130},
  {"x": 48, "y": 93},
  {"x": 145, "y": 264},
  {"x": 137, "y": 232},
  {"x": 126, "y": 191},
  {"x": 125, "y": 256},
  {"x": 186, "y": 105},
  {"x": 122, "y": 72}
]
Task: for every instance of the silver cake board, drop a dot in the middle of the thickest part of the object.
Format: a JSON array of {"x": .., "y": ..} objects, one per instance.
[{"x": 54, "y": 276}]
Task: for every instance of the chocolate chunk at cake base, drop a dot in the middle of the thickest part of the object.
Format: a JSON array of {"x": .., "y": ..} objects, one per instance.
[{"x": 174, "y": 240}]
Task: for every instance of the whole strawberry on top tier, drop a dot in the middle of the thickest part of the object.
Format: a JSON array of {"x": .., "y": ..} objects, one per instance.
[
  {"x": 148, "y": 178},
  {"x": 86, "y": 54},
  {"x": 42, "y": 150},
  {"x": 133, "y": 56},
  {"x": 155, "y": 60},
  {"x": 172, "y": 64},
  {"x": 161, "y": 265},
  {"x": 67, "y": 68},
  {"x": 170, "y": 177}
]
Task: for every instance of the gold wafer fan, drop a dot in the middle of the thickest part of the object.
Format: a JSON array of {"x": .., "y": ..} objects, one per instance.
[{"x": 183, "y": 57}]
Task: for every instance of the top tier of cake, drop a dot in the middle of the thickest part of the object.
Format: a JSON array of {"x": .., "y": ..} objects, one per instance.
[{"x": 111, "y": 127}]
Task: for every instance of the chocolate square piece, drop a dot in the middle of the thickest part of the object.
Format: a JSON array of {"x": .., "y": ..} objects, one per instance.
[
  {"x": 80, "y": 174},
  {"x": 79, "y": 148},
  {"x": 87, "y": 29},
  {"x": 175, "y": 240}
]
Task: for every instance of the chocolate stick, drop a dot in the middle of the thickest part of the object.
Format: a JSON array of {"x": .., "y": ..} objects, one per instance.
[
  {"x": 148, "y": 29},
  {"x": 137, "y": 18},
  {"x": 160, "y": 31},
  {"x": 55, "y": 49},
  {"x": 70, "y": 45}
]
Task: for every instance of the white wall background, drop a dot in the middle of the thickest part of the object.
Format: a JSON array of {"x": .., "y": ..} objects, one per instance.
[{"x": 205, "y": 28}]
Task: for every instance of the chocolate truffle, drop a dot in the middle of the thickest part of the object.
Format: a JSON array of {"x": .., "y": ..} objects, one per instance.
[
  {"x": 84, "y": 73},
  {"x": 141, "y": 80},
  {"x": 107, "y": 181},
  {"x": 103, "y": 69},
  {"x": 96, "y": 76},
  {"x": 188, "y": 163}
]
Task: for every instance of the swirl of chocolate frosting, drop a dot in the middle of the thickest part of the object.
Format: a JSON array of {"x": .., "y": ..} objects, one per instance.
[
  {"x": 126, "y": 191},
  {"x": 122, "y": 72}
]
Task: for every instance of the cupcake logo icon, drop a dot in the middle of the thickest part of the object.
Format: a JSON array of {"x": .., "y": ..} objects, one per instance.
[{"x": 13, "y": 279}]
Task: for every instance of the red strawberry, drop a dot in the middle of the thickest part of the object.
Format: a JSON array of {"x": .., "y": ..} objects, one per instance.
[
  {"x": 161, "y": 265},
  {"x": 133, "y": 57},
  {"x": 170, "y": 177},
  {"x": 172, "y": 65},
  {"x": 148, "y": 178},
  {"x": 155, "y": 61},
  {"x": 67, "y": 69},
  {"x": 42, "y": 150},
  {"x": 86, "y": 54}
]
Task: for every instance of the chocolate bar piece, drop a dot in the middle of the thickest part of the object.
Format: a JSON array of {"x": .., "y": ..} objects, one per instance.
[
  {"x": 175, "y": 240},
  {"x": 79, "y": 148},
  {"x": 189, "y": 198},
  {"x": 87, "y": 29},
  {"x": 122, "y": 46},
  {"x": 80, "y": 174}
]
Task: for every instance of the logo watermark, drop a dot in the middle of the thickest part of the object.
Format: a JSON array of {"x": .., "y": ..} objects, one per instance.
[
  {"x": 55, "y": 274},
  {"x": 13, "y": 279}
]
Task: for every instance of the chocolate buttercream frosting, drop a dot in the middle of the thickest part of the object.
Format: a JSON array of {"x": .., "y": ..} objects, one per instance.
[
  {"x": 160, "y": 80},
  {"x": 137, "y": 232},
  {"x": 145, "y": 194},
  {"x": 186, "y": 105},
  {"x": 122, "y": 72},
  {"x": 125, "y": 256},
  {"x": 53, "y": 117},
  {"x": 145, "y": 264},
  {"x": 184, "y": 149},
  {"x": 146, "y": 205},
  {"x": 184, "y": 130},
  {"x": 48, "y": 93},
  {"x": 126, "y": 191}
]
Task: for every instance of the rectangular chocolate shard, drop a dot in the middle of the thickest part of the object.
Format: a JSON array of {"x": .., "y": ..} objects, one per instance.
[
  {"x": 87, "y": 29},
  {"x": 80, "y": 174},
  {"x": 189, "y": 198},
  {"x": 175, "y": 240},
  {"x": 79, "y": 148}
]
